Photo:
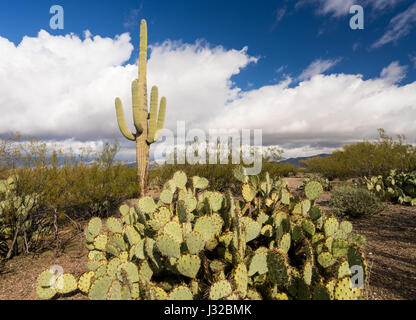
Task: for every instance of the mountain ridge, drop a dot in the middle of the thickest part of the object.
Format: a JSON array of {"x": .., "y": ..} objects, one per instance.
[{"x": 294, "y": 161}]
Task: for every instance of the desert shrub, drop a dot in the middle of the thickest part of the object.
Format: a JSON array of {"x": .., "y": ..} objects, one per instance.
[
  {"x": 78, "y": 186},
  {"x": 280, "y": 169},
  {"x": 355, "y": 202},
  {"x": 397, "y": 187},
  {"x": 197, "y": 244},
  {"x": 80, "y": 190},
  {"x": 366, "y": 159}
]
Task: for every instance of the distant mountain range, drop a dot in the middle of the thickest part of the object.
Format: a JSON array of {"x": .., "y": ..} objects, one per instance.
[
  {"x": 297, "y": 161},
  {"x": 294, "y": 161}
]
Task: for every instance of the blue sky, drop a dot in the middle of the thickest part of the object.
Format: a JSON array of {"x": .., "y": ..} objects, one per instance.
[{"x": 288, "y": 39}]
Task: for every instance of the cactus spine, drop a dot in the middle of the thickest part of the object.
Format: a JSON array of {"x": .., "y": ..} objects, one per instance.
[{"x": 146, "y": 133}]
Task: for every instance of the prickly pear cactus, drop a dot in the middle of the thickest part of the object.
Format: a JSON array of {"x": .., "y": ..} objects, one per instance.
[
  {"x": 397, "y": 187},
  {"x": 325, "y": 183},
  {"x": 196, "y": 244},
  {"x": 16, "y": 223}
]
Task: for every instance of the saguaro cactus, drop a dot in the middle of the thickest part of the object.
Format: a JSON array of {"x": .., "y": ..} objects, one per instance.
[{"x": 146, "y": 133}]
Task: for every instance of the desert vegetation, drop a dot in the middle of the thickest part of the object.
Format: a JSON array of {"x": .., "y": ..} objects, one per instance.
[
  {"x": 204, "y": 231},
  {"x": 366, "y": 159},
  {"x": 46, "y": 192},
  {"x": 74, "y": 192},
  {"x": 70, "y": 188}
]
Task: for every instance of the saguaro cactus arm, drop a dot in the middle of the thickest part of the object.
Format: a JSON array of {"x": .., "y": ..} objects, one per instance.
[
  {"x": 122, "y": 122},
  {"x": 161, "y": 117},
  {"x": 156, "y": 120},
  {"x": 153, "y": 114}
]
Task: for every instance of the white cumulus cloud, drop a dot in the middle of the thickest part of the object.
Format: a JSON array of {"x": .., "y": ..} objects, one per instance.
[
  {"x": 62, "y": 88},
  {"x": 326, "y": 110},
  {"x": 56, "y": 86}
]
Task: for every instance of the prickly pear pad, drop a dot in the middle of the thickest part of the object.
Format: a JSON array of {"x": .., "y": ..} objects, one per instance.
[{"x": 264, "y": 245}]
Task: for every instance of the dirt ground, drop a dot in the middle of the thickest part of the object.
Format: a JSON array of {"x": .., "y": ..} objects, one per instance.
[{"x": 390, "y": 251}]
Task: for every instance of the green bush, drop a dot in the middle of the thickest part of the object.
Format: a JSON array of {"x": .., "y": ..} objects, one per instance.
[
  {"x": 348, "y": 201},
  {"x": 280, "y": 169},
  {"x": 197, "y": 244},
  {"x": 78, "y": 186},
  {"x": 366, "y": 159},
  {"x": 80, "y": 190}
]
